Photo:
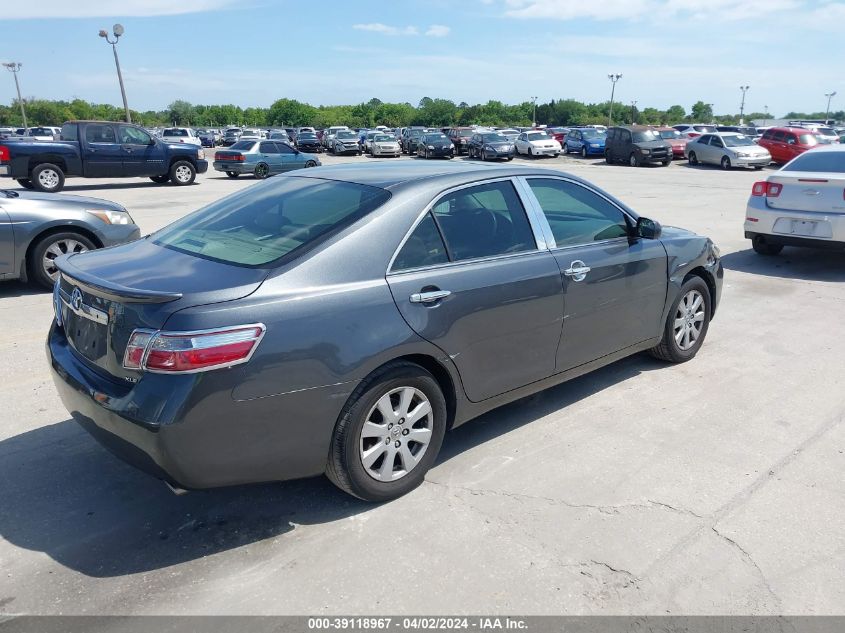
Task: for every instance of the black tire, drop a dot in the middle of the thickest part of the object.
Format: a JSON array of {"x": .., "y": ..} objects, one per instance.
[
  {"x": 666, "y": 163},
  {"x": 26, "y": 183},
  {"x": 310, "y": 163},
  {"x": 530, "y": 153},
  {"x": 182, "y": 173},
  {"x": 758, "y": 167},
  {"x": 762, "y": 247},
  {"x": 693, "y": 159},
  {"x": 725, "y": 163},
  {"x": 668, "y": 349},
  {"x": 48, "y": 178},
  {"x": 160, "y": 180},
  {"x": 232, "y": 174},
  {"x": 261, "y": 171},
  {"x": 634, "y": 160},
  {"x": 484, "y": 156},
  {"x": 607, "y": 158},
  {"x": 509, "y": 158},
  {"x": 583, "y": 151},
  {"x": 37, "y": 270},
  {"x": 345, "y": 468}
]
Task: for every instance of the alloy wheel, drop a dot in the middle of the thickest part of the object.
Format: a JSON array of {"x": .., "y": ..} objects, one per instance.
[
  {"x": 48, "y": 178},
  {"x": 396, "y": 434},
  {"x": 689, "y": 320},
  {"x": 183, "y": 173},
  {"x": 57, "y": 249}
]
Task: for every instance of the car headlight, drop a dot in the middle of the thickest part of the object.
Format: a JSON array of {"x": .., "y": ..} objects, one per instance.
[
  {"x": 646, "y": 152},
  {"x": 742, "y": 154},
  {"x": 112, "y": 217},
  {"x": 430, "y": 146},
  {"x": 489, "y": 148}
]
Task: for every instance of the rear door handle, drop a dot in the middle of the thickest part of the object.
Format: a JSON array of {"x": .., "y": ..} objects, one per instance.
[
  {"x": 429, "y": 297},
  {"x": 577, "y": 270}
]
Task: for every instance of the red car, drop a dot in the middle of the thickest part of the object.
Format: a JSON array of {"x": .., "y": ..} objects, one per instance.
[
  {"x": 785, "y": 143},
  {"x": 677, "y": 140},
  {"x": 557, "y": 133}
]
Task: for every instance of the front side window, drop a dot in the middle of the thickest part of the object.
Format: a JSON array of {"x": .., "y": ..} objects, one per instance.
[
  {"x": 133, "y": 136},
  {"x": 577, "y": 215},
  {"x": 424, "y": 247},
  {"x": 270, "y": 220},
  {"x": 484, "y": 221},
  {"x": 99, "y": 134}
]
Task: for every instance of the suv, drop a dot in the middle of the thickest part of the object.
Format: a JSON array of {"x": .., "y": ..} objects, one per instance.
[
  {"x": 460, "y": 137},
  {"x": 410, "y": 139},
  {"x": 785, "y": 143},
  {"x": 636, "y": 145}
]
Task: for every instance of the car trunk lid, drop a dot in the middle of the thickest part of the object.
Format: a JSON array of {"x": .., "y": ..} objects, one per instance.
[
  {"x": 809, "y": 191},
  {"x": 105, "y": 295}
]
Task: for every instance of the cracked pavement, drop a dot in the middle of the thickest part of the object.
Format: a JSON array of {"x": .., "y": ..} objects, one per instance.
[{"x": 713, "y": 487}]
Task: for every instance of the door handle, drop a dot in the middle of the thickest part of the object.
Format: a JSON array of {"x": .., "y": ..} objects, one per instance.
[
  {"x": 429, "y": 297},
  {"x": 577, "y": 270}
]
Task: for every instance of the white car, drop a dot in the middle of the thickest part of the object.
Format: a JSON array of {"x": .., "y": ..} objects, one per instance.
[
  {"x": 250, "y": 135},
  {"x": 726, "y": 149},
  {"x": 826, "y": 135},
  {"x": 510, "y": 134},
  {"x": 384, "y": 145},
  {"x": 180, "y": 135},
  {"x": 695, "y": 129},
  {"x": 44, "y": 133},
  {"x": 536, "y": 144},
  {"x": 801, "y": 204}
]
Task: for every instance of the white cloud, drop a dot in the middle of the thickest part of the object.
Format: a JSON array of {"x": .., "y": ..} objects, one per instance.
[
  {"x": 386, "y": 29},
  {"x": 634, "y": 9},
  {"x": 97, "y": 8},
  {"x": 438, "y": 30}
]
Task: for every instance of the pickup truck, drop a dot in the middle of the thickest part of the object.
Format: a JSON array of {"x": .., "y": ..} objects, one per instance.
[{"x": 99, "y": 149}]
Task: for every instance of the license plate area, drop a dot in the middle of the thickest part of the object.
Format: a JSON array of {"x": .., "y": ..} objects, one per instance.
[
  {"x": 803, "y": 227},
  {"x": 87, "y": 337}
]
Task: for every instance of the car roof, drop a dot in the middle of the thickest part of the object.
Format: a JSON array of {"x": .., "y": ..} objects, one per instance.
[
  {"x": 788, "y": 128},
  {"x": 634, "y": 128}
]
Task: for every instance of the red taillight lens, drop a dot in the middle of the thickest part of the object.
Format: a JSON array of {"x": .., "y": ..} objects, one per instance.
[
  {"x": 768, "y": 189},
  {"x": 238, "y": 158},
  {"x": 175, "y": 352},
  {"x": 4, "y": 154}
]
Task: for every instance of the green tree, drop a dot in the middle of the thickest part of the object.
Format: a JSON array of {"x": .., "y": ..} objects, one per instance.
[
  {"x": 675, "y": 114},
  {"x": 290, "y": 112},
  {"x": 180, "y": 113},
  {"x": 701, "y": 112}
]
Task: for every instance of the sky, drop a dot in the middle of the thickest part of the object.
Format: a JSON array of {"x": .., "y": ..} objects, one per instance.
[{"x": 252, "y": 52}]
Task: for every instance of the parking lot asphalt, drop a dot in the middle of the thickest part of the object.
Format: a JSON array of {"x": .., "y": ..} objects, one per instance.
[{"x": 711, "y": 487}]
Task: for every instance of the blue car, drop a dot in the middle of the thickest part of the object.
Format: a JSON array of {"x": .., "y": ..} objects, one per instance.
[
  {"x": 586, "y": 141},
  {"x": 262, "y": 159}
]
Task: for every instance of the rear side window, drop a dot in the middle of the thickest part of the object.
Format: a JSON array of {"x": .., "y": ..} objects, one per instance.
[
  {"x": 826, "y": 162},
  {"x": 69, "y": 132},
  {"x": 271, "y": 220},
  {"x": 484, "y": 221},
  {"x": 424, "y": 247},
  {"x": 243, "y": 145},
  {"x": 100, "y": 134},
  {"x": 268, "y": 148},
  {"x": 576, "y": 214}
]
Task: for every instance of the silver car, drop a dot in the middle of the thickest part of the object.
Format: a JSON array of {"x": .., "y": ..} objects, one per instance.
[
  {"x": 727, "y": 149},
  {"x": 36, "y": 228},
  {"x": 384, "y": 145}
]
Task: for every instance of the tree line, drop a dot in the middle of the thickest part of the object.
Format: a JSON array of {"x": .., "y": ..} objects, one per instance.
[{"x": 428, "y": 112}]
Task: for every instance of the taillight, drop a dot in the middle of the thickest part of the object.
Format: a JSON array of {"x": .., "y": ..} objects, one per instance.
[
  {"x": 179, "y": 352},
  {"x": 4, "y": 154},
  {"x": 238, "y": 158},
  {"x": 768, "y": 189}
]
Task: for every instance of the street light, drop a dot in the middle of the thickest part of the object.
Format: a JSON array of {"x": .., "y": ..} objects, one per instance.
[
  {"x": 14, "y": 68},
  {"x": 633, "y": 112},
  {"x": 117, "y": 29},
  {"x": 829, "y": 96},
  {"x": 742, "y": 105},
  {"x": 534, "y": 116},
  {"x": 613, "y": 79}
]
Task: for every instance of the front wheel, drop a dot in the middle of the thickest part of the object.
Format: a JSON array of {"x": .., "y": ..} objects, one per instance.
[
  {"x": 48, "y": 178},
  {"x": 42, "y": 258},
  {"x": 388, "y": 434},
  {"x": 693, "y": 159},
  {"x": 310, "y": 163},
  {"x": 583, "y": 152},
  {"x": 182, "y": 173},
  {"x": 261, "y": 171},
  {"x": 160, "y": 179},
  {"x": 762, "y": 247},
  {"x": 687, "y": 323},
  {"x": 633, "y": 160},
  {"x": 726, "y": 163}
]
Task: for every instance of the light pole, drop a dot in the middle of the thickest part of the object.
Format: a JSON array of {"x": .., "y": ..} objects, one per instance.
[
  {"x": 829, "y": 96},
  {"x": 534, "y": 116},
  {"x": 117, "y": 29},
  {"x": 633, "y": 112},
  {"x": 14, "y": 68},
  {"x": 742, "y": 105},
  {"x": 614, "y": 77}
]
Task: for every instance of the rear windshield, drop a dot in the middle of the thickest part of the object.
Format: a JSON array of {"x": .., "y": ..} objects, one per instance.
[
  {"x": 175, "y": 131},
  {"x": 265, "y": 222},
  {"x": 247, "y": 145},
  {"x": 669, "y": 134},
  {"x": 827, "y": 162},
  {"x": 704, "y": 129}
]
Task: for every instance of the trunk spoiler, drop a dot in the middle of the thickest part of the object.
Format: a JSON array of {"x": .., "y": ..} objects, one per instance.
[{"x": 111, "y": 291}]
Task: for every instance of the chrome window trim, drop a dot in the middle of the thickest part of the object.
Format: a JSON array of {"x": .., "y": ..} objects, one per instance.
[
  {"x": 538, "y": 235},
  {"x": 552, "y": 242}
]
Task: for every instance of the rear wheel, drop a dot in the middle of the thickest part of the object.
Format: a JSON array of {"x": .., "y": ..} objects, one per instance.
[
  {"x": 160, "y": 179},
  {"x": 687, "y": 323},
  {"x": 26, "y": 183},
  {"x": 388, "y": 434},
  {"x": 726, "y": 162},
  {"x": 182, "y": 173},
  {"x": 762, "y": 247},
  {"x": 42, "y": 257},
  {"x": 48, "y": 178}
]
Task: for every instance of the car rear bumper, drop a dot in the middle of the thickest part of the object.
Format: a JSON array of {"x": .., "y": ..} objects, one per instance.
[
  {"x": 237, "y": 168},
  {"x": 787, "y": 226},
  {"x": 174, "y": 429}
]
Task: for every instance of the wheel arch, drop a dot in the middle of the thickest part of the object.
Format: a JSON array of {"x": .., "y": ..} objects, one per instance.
[
  {"x": 45, "y": 159},
  {"x": 707, "y": 276},
  {"x": 52, "y": 230}
]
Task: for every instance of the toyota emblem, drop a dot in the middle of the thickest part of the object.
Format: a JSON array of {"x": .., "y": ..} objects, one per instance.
[{"x": 76, "y": 299}]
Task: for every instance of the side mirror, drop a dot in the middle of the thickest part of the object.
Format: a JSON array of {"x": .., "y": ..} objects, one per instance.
[
  {"x": 648, "y": 229},
  {"x": 152, "y": 141}
]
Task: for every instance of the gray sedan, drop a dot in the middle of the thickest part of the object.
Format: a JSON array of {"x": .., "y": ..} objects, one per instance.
[
  {"x": 341, "y": 319},
  {"x": 727, "y": 149},
  {"x": 36, "y": 228}
]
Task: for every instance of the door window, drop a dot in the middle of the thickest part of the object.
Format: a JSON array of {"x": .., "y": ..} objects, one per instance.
[
  {"x": 483, "y": 221},
  {"x": 577, "y": 215},
  {"x": 779, "y": 137},
  {"x": 99, "y": 134},
  {"x": 268, "y": 148},
  {"x": 133, "y": 136},
  {"x": 626, "y": 136},
  {"x": 424, "y": 247},
  {"x": 715, "y": 141}
]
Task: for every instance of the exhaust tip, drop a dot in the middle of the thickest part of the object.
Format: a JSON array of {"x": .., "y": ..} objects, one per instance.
[{"x": 175, "y": 489}]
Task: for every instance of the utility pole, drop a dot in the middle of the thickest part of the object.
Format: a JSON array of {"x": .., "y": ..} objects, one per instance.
[
  {"x": 742, "y": 105},
  {"x": 534, "y": 116},
  {"x": 829, "y": 96},
  {"x": 14, "y": 68},
  {"x": 614, "y": 77},
  {"x": 117, "y": 30}
]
